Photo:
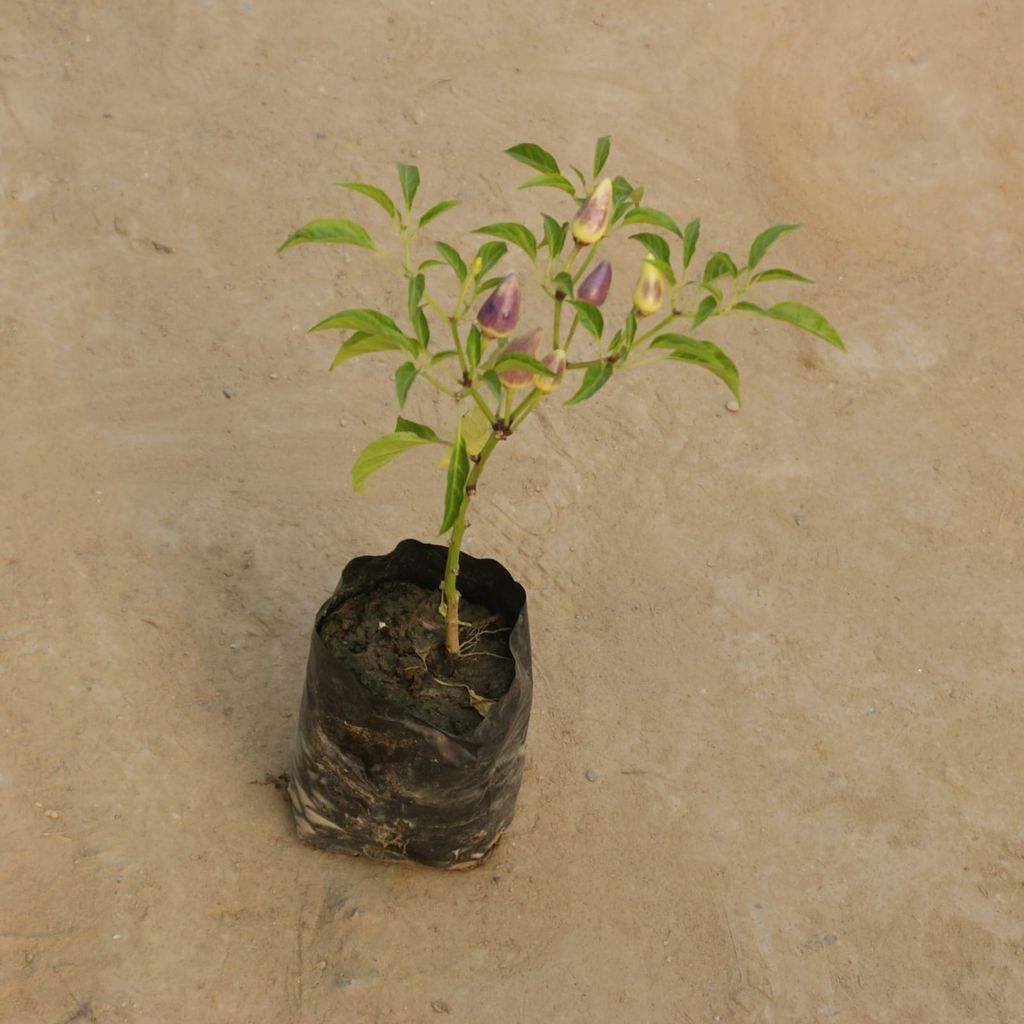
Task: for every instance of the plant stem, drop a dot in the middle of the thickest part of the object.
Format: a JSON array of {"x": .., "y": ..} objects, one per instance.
[{"x": 451, "y": 570}]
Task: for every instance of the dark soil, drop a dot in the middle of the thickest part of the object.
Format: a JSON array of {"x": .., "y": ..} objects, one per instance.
[{"x": 392, "y": 639}]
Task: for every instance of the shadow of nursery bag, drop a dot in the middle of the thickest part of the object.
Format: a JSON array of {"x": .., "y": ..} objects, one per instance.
[{"x": 374, "y": 778}]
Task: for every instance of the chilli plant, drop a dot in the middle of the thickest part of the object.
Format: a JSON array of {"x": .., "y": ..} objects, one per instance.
[{"x": 494, "y": 380}]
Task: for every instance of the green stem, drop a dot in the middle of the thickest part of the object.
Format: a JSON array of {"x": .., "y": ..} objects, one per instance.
[
  {"x": 451, "y": 569},
  {"x": 430, "y": 379},
  {"x": 572, "y": 331}
]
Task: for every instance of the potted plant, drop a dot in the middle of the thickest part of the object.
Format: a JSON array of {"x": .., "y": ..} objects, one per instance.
[{"x": 418, "y": 685}]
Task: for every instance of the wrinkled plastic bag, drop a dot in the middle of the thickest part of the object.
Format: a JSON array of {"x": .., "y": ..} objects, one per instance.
[{"x": 371, "y": 780}]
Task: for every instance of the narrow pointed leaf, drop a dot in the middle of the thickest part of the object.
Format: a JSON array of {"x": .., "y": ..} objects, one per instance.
[
  {"x": 379, "y": 453},
  {"x": 421, "y": 430},
  {"x": 473, "y": 347},
  {"x": 579, "y": 174},
  {"x": 517, "y": 234},
  {"x": 593, "y": 380},
  {"x": 421, "y": 328},
  {"x": 455, "y": 483},
  {"x": 404, "y": 377},
  {"x": 417, "y": 284},
  {"x": 409, "y": 177},
  {"x": 601, "y": 151},
  {"x": 489, "y": 285},
  {"x": 648, "y": 215},
  {"x": 532, "y": 155},
  {"x": 440, "y": 357},
  {"x": 654, "y": 244},
  {"x": 707, "y": 306},
  {"x": 453, "y": 259},
  {"x": 690, "y": 235},
  {"x": 554, "y": 235},
  {"x": 629, "y": 332},
  {"x": 437, "y": 209},
  {"x": 779, "y": 274},
  {"x": 490, "y": 253},
  {"x": 701, "y": 353},
  {"x": 521, "y": 361},
  {"x": 378, "y": 195},
  {"x": 621, "y": 189},
  {"x": 801, "y": 316},
  {"x": 590, "y": 317},
  {"x": 718, "y": 265},
  {"x": 340, "y": 232},
  {"x": 360, "y": 344},
  {"x": 370, "y": 322},
  {"x": 493, "y": 381},
  {"x": 563, "y": 184},
  {"x": 765, "y": 240}
]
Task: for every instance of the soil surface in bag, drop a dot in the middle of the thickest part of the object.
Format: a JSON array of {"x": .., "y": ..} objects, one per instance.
[{"x": 392, "y": 640}]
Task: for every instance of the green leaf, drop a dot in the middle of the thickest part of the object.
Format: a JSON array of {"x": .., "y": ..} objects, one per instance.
[
  {"x": 476, "y": 429},
  {"x": 593, "y": 380},
  {"x": 417, "y": 318},
  {"x": 455, "y": 484},
  {"x": 486, "y": 286},
  {"x": 690, "y": 235},
  {"x": 579, "y": 174},
  {"x": 563, "y": 283},
  {"x": 801, "y": 316},
  {"x": 370, "y": 322},
  {"x": 517, "y": 234},
  {"x": 533, "y": 156},
  {"x": 554, "y": 235},
  {"x": 648, "y": 215},
  {"x": 343, "y": 232},
  {"x": 453, "y": 259},
  {"x": 429, "y": 263},
  {"x": 491, "y": 379},
  {"x": 779, "y": 274},
  {"x": 654, "y": 244},
  {"x": 404, "y": 426},
  {"x": 521, "y": 361},
  {"x": 404, "y": 377},
  {"x": 718, "y": 265},
  {"x": 421, "y": 328},
  {"x": 409, "y": 176},
  {"x": 378, "y": 195},
  {"x": 591, "y": 318},
  {"x": 473, "y": 347},
  {"x": 630, "y": 327},
  {"x": 440, "y": 357},
  {"x": 551, "y": 181},
  {"x": 490, "y": 253},
  {"x": 702, "y": 353},
  {"x": 436, "y": 210},
  {"x": 379, "y": 453},
  {"x": 601, "y": 151},
  {"x": 360, "y": 344},
  {"x": 417, "y": 284},
  {"x": 765, "y": 240},
  {"x": 621, "y": 189},
  {"x": 707, "y": 306}
]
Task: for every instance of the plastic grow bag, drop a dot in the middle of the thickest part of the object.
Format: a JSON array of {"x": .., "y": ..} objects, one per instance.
[{"x": 371, "y": 780}]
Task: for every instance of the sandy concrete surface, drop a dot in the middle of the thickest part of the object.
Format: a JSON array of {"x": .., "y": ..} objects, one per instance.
[{"x": 787, "y": 642}]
